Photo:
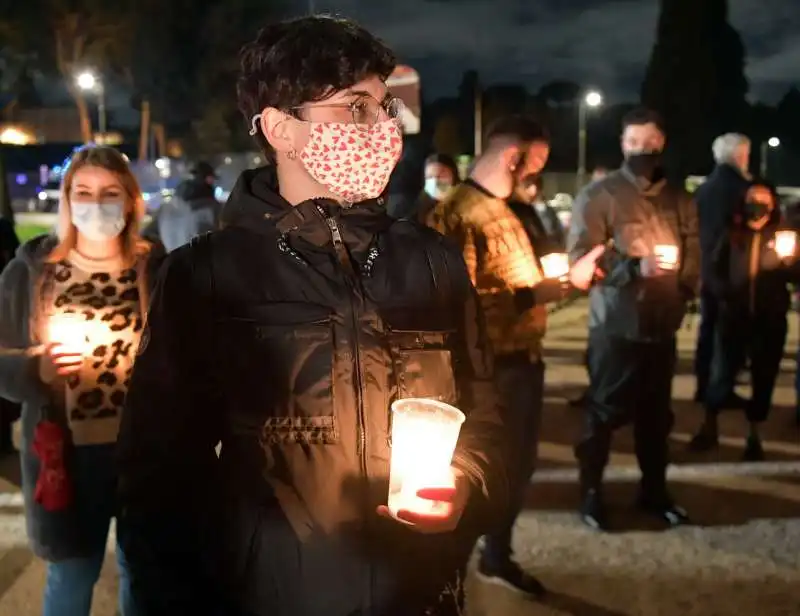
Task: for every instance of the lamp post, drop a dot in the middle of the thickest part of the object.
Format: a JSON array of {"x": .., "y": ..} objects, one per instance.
[
  {"x": 766, "y": 145},
  {"x": 590, "y": 100},
  {"x": 88, "y": 82}
]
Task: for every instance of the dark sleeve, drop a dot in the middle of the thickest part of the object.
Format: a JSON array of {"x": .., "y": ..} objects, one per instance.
[
  {"x": 588, "y": 228},
  {"x": 166, "y": 450},
  {"x": 482, "y": 448},
  {"x": 19, "y": 364},
  {"x": 719, "y": 282}
]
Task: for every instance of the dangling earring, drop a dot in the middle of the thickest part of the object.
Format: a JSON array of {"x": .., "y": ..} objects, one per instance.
[{"x": 291, "y": 155}]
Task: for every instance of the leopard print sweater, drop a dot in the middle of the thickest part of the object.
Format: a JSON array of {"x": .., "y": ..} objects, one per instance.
[{"x": 109, "y": 302}]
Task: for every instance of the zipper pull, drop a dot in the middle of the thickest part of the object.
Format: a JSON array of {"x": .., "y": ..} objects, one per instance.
[{"x": 339, "y": 246}]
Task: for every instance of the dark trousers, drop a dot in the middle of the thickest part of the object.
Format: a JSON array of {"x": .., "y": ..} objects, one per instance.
[
  {"x": 704, "y": 354},
  {"x": 521, "y": 383},
  {"x": 738, "y": 337},
  {"x": 629, "y": 382}
]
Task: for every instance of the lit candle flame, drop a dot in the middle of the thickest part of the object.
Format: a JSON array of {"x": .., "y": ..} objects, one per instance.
[
  {"x": 785, "y": 244},
  {"x": 70, "y": 331},
  {"x": 555, "y": 265},
  {"x": 667, "y": 254}
]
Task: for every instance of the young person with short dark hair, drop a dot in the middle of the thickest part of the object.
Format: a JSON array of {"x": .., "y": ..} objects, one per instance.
[{"x": 286, "y": 336}]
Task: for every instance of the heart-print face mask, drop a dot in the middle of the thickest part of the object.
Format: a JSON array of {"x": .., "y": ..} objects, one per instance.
[{"x": 352, "y": 162}]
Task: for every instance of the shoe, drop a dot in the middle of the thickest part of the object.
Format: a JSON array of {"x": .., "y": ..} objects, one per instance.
[
  {"x": 704, "y": 440},
  {"x": 510, "y": 575},
  {"x": 753, "y": 451},
  {"x": 593, "y": 511},
  {"x": 665, "y": 509}
]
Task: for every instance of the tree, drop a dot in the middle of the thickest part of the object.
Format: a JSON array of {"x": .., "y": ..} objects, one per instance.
[
  {"x": 86, "y": 35},
  {"x": 68, "y": 36},
  {"x": 447, "y": 135},
  {"x": 695, "y": 79}
]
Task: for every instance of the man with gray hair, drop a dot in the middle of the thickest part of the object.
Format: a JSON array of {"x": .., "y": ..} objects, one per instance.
[{"x": 717, "y": 199}]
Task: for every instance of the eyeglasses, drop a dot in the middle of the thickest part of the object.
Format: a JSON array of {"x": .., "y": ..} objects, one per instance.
[{"x": 366, "y": 109}]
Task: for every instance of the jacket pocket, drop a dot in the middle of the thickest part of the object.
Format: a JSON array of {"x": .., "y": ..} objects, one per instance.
[
  {"x": 280, "y": 380},
  {"x": 423, "y": 365}
]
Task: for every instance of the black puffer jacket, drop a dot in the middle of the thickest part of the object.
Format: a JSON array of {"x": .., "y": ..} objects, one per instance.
[{"x": 286, "y": 336}]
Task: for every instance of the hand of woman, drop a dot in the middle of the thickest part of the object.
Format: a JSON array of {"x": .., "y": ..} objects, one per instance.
[{"x": 58, "y": 361}]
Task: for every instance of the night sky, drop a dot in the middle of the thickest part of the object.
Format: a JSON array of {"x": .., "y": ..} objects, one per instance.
[{"x": 603, "y": 43}]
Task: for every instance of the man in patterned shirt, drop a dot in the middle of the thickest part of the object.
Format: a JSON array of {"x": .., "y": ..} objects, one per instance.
[{"x": 513, "y": 292}]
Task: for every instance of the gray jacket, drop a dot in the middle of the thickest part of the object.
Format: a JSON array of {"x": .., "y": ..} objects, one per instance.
[
  {"x": 191, "y": 212},
  {"x": 52, "y": 534},
  {"x": 631, "y": 218}
]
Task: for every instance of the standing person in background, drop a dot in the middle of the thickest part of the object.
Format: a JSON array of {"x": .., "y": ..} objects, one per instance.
[
  {"x": 635, "y": 311},
  {"x": 94, "y": 276},
  {"x": 441, "y": 174},
  {"x": 513, "y": 291},
  {"x": 718, "y": 199},
  {"x": 749, "y": 280},
  {"x": 193, "y": 210}
]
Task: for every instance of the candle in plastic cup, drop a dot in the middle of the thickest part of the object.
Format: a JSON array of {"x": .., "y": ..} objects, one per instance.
[
  {"x": 785, "y": 243},
  {"x": 667, "y": 254},
  {"x": 70, "y": 331},
  {"x": 555, "y": 265},
  {"x": 424, "y": 436}
]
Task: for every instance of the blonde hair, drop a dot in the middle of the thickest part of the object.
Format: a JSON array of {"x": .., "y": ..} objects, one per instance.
[{"x": 102, "y": 157}]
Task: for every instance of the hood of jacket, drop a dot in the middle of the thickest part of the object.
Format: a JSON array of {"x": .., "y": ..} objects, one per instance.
[{"x": 255, "y": 202}]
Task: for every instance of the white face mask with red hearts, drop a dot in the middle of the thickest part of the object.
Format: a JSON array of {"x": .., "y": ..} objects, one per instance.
[{"x": 352, "y": 162}]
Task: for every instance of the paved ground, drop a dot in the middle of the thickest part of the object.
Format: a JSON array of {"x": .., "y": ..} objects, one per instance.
[{"x": 742, "y": 557}]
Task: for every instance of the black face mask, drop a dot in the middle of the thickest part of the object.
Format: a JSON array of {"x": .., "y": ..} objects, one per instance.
[
  {"x": 755, "y": 211},
  {"x": 647, "y": 165}
]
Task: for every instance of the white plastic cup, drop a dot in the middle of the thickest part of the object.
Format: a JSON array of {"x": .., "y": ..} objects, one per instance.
[
  {"x": 424, "y": 437},
  {"x": 785, "y": 244},
  {"x": 70, "y": 331},
  {"x": 555, "y": 265},
  {"x": 667, "y": 255}
]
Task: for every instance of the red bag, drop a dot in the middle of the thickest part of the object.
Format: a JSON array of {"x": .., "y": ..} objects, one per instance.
[{"x": 53, "y": 486}]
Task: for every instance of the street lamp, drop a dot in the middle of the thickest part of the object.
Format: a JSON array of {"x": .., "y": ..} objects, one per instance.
[
  {"x": 766, "y": 144},
  {"x": 591, "y": 100},
  {"x": 88, "y": 82}
]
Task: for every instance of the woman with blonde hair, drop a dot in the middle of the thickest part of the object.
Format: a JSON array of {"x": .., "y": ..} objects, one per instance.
[{"x": 72, "y": 310}]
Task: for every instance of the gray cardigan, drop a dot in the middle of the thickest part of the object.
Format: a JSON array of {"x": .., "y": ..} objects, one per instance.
[{"x": 52, "y": 534}]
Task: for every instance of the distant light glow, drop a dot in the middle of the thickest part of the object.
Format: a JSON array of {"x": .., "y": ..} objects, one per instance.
[
  {"x": 12, "y": 135},
  {"x": 593, "y": 99},
  {"x": 22, "y": 179},
  {"x": 774, "y": 142},
  {"x": 86, "y": 80}
]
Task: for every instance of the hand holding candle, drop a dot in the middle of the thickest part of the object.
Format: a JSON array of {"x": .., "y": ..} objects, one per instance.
[
  {"x": 785, "y": 244},
  {"x": 67, "y": 344},
  {"x": 424, "y": 490}
]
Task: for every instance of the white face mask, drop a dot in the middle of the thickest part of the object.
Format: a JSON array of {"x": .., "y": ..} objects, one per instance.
[
  {"x": 436, "y": 188},
  {"x": 99, "y": 221}
]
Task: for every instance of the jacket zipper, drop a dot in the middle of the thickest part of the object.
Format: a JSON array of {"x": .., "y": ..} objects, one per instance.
[
  {"x": 755, "y": 253},
  {"x": 344, "y": 259}
]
